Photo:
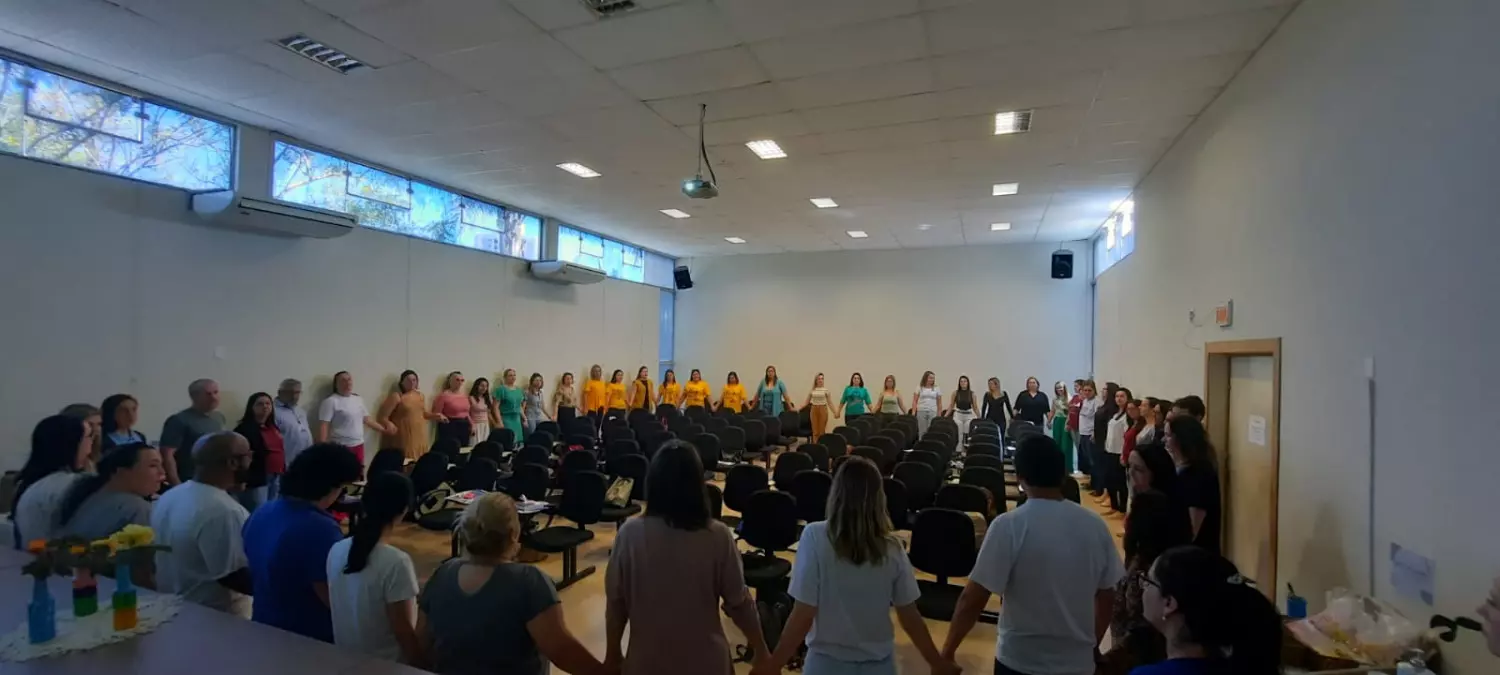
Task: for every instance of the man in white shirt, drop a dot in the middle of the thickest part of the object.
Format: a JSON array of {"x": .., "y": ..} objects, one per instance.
[
  {"x": 1055, "y": 566},
  {"x": 201, "y": 523}
]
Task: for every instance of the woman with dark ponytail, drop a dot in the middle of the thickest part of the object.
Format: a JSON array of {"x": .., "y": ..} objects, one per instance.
[
  {"x": 102, "y": 504},
  {"x": 372, "y": 586},
  {"x": 1215, "y": 621}
]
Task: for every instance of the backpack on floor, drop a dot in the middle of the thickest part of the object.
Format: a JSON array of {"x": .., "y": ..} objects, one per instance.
[{"x": 774, "y": 607}]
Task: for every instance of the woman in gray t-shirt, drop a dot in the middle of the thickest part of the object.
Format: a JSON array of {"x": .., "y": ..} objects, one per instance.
[
  {"x": 102, "y": 504},
  {"x": 487, "y": 614}
]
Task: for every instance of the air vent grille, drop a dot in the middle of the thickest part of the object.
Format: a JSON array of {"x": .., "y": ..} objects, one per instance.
[
  {"x": 608, "y": 8},
  {"x": 321, "y": 54}
]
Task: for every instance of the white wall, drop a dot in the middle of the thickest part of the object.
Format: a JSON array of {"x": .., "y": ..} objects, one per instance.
[
  {"x": 1343, "y": 191},
  {"x": 980, "y": 310},
  {"x": 109, "y": 287}
]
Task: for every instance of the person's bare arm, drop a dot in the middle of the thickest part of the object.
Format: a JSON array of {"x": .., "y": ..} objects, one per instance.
[
  {"x": 1198, "y": 516},
  {"x": 916, "y": 628},
  {"x": 169, "y": 464},
  {"x": 557, "y": 643},
  {"x": 424, "y": 640},
  {"x": 798, "y": 624},
  {"x": 320, "y": 589},
  {"x": 400, "y": 616},
  {"x": 1104, "y": 607},
  {"x": 388, "y": 406},
  {"x": 322, "y": 436},
  {"x": 965, "y": 614}
]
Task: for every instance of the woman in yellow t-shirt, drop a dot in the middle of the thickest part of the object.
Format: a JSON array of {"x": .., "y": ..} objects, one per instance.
[
  {"x": 614, "y": 395},
  {"x": 671, "y": 392},
  {"x": 640, "y": 390},
  {"x": 733, "y": 396},
  {"x": 696, "y": 392},
  {"x": 593, "y": 392}
]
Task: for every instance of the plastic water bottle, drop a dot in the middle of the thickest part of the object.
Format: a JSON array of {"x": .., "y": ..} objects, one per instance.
[{"x": 1413, "y": 664}]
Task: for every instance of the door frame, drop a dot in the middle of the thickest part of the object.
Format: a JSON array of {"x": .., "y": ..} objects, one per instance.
[{"x": 1216, "y": 358}]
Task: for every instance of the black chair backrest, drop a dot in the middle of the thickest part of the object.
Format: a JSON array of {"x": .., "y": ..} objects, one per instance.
[
  {"x": 389, "y": 459},
  {"x": 486, "y": 450},
  {"x": 622, "y": 446},
  {"x": 505, "y": 437},
  {"x": 574, "y": 463},
  {"x": 529, "y": 481},
  {"x": 921, "y": 483},
  {"x": 787, "y": 465},
  {"x": 849, "y": 433},
  {"x": 930, "y": 445},
  {"x": 990, "y": 449},
  {"x": 811, "y": 490},
  {"x": 651, "y": 443},
  {"x": 549, "y": 427},
  {"x": 966, "y": 498},
  {"x": 709, "y": 450},
  {"x": 677, "y": 424},
  {"x": 896, "y": 502},
  {"x": 634, "y": 468},
  {"x": 582, "y": 426},
  {"x": 429, "y": 472},
  {"x": 715, "y": 500},
  {"x": 818, "y": 453},
  {"x": 932, "y": 459},
  {"x": 697, "y": 413},
  {"x": 833, "y": 466},
  {"x": 774, "y": 430},
  {"x": 532, "y": 454},
  {"x": 989, "y": 478},
  {"x": 836, "y": 444},
  {"x": 692, "y": 430},
  {"x": 871, "y": 453},
  {"x": 542, "y": 438},
  {"x": 616, "y": 429},
  {"x": 741, "y": 481},
  {"x": 666, "y": 410},
  {"x": 769, "y": 522},
  {"x": 479, "y": 474},
  {"x": 580, "y": 441},
  {"x": 885, "y": 444},
  {"x": 791, "y": 423},
  {"x": 640, "y": 416},
  {"x": 1071, "y": 490},
  {"x": 715, "y": 425},
  {"x": 947, "y": 440},
  {"x": 992, "y": 461},
  {"x": 755, "y": 435},
  {"x": 1020, "y": 429},
  {"x": 583, "y": 498},
  {"x": 942, "y": 543},
  {"x": 732, "y": 442}
]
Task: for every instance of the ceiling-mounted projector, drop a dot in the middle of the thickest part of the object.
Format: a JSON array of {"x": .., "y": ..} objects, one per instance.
[{"x": 697, "y": 187}]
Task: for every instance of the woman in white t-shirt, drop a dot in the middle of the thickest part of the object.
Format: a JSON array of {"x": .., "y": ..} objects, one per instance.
[
  {"x": 343, "y": 417},
  {"x": 1114, "y": 448},
  {"x": 60, "y": 448},
  {"x": 927, "y": 403},
  {"x": 850, "y": 571},
  {"x": 372, "y": 586}
]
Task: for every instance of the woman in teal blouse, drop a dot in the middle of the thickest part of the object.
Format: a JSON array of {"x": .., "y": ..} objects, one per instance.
[
  {"x": 771, "y": 395},
  {"x": 856, "y": 399},
  {"x": 511, "y": 397}
]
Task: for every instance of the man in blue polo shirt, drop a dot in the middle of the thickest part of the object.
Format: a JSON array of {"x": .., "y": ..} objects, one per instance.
[{"x": 287, "y": 542}]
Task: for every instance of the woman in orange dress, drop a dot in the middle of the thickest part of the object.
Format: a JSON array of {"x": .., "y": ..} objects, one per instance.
[{"x": 407, "y": 409}]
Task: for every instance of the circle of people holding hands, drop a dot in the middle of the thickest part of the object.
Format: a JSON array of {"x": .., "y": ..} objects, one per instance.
[{"x": 248, "y": 522}]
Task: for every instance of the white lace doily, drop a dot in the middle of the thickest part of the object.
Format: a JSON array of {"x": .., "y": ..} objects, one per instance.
[{"x": 79, "y": 634}]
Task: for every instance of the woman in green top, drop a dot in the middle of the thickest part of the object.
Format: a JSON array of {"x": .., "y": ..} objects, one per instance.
[
  {"x": 511, "y": 397},
  {"x": 856, "y": 399}
]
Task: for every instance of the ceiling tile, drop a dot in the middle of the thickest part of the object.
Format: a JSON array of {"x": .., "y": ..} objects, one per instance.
[
  {"x": 559, "y": 94},
  {"x": 348, "y": 7},
  {"x": 403, "y": 83},
  {"x": 228, "y": 77},
  {"x": 864, "y": 84},
  {"x": 873, "y": 113},
  {"x": 463, "y": 112},
  {"x": 429, "y": 27},
  {"x": 230, "y": 23},
  {"x": 692, "y": 74},
  {"x": 511, "y": 63},
  {"x": 1060, "y": 57},
  {"x": 866, "y": 44},
  {"x": 1147, "y": 79},
  {"x": 1213, "y": 35},
  {"x": 751, "y": 101},
  {"x": 751, "y": 128},
  {"x": 641, "y": 36},
  {"x": 1152, "y": 11},
  {"x": 553, "y": 15},
  {"x": 981, "y": 25},
  {"x": 756, "y": 20}
]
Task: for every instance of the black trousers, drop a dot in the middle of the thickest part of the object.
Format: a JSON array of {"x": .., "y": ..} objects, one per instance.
[
  {"x": 1000, "y": 669},
  {"x": 850, "y": 417},
  {"x": 1119, "y": 496},
  {"x": 565, "y": 414},
  {"x": 458, "y": 430}
]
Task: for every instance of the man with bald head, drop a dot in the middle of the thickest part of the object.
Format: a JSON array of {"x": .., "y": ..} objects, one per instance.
[
  {"x": 182, "y": 430},
  {"x": 201, "y": 523}
]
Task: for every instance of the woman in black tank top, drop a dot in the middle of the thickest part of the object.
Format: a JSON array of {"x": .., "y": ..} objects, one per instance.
[{"x": 962, "y": 405}]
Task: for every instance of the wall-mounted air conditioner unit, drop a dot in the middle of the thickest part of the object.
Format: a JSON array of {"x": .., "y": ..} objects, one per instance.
[
  {"x": 231, "y": 209},
  {"x": 559, "y": 272}
]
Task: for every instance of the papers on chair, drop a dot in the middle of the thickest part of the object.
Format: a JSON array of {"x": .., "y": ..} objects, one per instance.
[
  {"x": 526, "y": 506},
  {"x": 465, "y": 498}
]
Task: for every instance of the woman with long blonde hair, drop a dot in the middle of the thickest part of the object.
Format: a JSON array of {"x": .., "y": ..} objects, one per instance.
[
  {"x": 818, "y": 407},
  {"x": 852, "y": 570}
]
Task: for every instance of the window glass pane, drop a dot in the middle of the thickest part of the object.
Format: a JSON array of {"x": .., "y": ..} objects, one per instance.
[
  {"x": 386, "y": 201},
  {"x": 616, "y": 259},
  {"x": 668, "y": 325},
  {"x": 50, "y": 117}
]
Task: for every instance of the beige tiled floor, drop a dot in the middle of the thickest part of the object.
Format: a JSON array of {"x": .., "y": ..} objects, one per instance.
[{"x": 583, "y": 602}]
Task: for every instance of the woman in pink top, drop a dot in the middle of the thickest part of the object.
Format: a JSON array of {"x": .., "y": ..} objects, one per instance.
[
  {"x": 667, "y": 574},
  {"x": 482, "y": 411},
  {"x": 452, "y": 409}
]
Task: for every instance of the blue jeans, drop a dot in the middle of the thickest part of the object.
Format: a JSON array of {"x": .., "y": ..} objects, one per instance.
[{"x": 822, "y": 664}]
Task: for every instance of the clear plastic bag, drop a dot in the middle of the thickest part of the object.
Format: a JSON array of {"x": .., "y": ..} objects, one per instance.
[{"x": 1370, "y": 630}]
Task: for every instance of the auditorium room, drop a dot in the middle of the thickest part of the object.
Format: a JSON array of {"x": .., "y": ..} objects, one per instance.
[{"x": 744, "y": 337}]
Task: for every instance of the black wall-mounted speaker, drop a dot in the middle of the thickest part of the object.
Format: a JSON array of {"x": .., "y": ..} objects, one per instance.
[
  {"x": 1062, "y": 265},
  {"x": 683, "y": 278}
]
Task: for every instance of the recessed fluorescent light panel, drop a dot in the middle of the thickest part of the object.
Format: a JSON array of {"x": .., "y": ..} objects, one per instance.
[
  {"x": 824, "y": 203},
  {"x": 857, "y": 234},
  {"x": 734, "y": 240},
  {"x": 1003, "y": 189},
  {"x": 320, "y": 53},
  {"x": 578, "y": 170},
  {"x": 676, "y": 214},
  {"x": 925, "y": 226},
  {"x": 766, "y": 149},
  {"x": 1012, "y": 122},
  {"x": 999, "y": 227}
]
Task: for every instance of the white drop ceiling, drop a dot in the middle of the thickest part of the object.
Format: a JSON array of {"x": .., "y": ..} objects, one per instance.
[{"x": 886, "y": 106}]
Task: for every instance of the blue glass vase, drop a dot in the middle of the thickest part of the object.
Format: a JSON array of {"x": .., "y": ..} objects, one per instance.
[{"x": 41, "y": 614}]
